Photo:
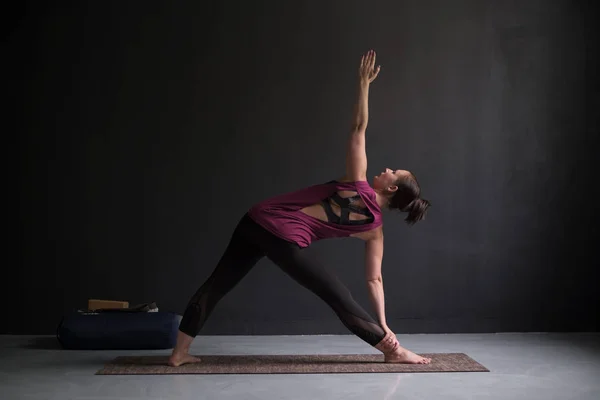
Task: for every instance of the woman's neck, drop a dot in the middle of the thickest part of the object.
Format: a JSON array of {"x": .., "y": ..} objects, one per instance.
[{"x": 382, "y": 199}]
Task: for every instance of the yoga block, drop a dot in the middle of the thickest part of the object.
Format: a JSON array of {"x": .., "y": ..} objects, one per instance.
[
  {"x": 118, "y": 330},
  {"x": 95, "y": 304}
]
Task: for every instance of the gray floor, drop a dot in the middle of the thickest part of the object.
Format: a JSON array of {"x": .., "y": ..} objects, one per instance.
[{"x": 523, "y": 366}]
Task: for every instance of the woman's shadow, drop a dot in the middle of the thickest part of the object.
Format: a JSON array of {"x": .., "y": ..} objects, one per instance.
[{"x": 42, "y": 343}]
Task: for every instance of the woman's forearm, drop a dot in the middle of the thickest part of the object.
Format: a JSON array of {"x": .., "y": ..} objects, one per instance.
[
  {"x": 366, "y": 74},
  {"x": 376, "y": 295},
  {"x": 361, "y": 107}
]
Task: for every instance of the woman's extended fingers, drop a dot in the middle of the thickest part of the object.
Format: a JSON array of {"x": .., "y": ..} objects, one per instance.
[
  {"x": 389, "y": 338},
  {"x": 367, "y": 66},
  {"x": 377, "y": 71},
  {"x": 368, "y": 58}
]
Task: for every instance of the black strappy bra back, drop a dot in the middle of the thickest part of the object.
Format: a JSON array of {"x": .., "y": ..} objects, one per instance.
[{"x": 346, "y": 207}]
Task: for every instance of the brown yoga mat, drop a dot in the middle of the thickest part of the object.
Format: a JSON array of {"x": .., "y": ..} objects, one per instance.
[{"x": 289, "y": 364}]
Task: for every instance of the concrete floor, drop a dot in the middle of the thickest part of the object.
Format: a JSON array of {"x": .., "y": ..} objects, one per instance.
[{"x": 523, "y": 366}]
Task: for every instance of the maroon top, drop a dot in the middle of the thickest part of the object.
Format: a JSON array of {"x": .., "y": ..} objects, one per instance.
[{"x": 281, "y": 214}]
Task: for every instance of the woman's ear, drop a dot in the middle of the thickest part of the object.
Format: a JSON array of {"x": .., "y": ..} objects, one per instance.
[{"x": 392, "y": 188}]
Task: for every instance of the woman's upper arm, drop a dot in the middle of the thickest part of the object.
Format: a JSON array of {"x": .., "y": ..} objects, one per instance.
[
  {"x": 356, "y": 157},
  {"x": 374, "y": 256}
]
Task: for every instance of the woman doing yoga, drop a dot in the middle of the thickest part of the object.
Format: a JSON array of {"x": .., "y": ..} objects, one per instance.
[{"x": 282, "y": 227}]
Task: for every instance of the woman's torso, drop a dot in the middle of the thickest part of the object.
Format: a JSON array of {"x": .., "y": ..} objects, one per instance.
[{"x": 332, "y": 209}]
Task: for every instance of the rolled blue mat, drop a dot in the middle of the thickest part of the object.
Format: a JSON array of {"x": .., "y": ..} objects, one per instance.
[{"x": 118, "y": 331}]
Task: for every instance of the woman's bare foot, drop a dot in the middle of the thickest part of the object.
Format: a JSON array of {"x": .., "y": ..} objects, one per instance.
[
  {"x": 180, "y": 354},
  {"x": 404, "y": 356},
  {"x": 394, "y": 353},
  {"x": 179, "y": 359}
]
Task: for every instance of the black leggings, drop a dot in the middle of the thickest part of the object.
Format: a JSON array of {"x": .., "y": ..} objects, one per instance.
[{"x": 249, "y": 243}]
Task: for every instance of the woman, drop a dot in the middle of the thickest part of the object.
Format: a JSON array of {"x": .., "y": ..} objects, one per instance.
[{"x": 281, "y": 227}]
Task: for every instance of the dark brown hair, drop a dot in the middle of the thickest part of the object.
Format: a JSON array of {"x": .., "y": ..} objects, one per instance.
[{"x": 406, "y": 199}]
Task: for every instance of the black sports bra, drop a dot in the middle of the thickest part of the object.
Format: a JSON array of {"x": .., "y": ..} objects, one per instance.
[{"x": 346, "y": 207}]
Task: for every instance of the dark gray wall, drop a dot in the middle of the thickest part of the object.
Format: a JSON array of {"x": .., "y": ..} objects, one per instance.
[{"x": 146, "y": 131}]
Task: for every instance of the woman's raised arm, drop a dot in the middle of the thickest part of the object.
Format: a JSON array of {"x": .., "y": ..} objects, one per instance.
[{"x": 356, "y": 155}]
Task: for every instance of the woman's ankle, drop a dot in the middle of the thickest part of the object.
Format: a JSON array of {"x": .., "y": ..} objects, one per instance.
[
  {"x": 184, "y": 342},
  {"x": 386, "y": 346}
]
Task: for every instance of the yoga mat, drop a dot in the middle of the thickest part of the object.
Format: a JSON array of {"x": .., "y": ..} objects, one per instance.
[{"x": 289, "y": 364}]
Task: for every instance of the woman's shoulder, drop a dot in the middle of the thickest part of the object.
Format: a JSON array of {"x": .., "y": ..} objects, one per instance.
[
  {"x": 373, "y": 234},
  {"x": 364, "y": 187},
  {"x": 363, "y": 184}
]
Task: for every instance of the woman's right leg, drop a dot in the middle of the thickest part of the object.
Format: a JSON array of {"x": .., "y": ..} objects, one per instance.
[
  {"x": 317, "y": 278},
  {"x": 240, "y": 256},
  {"x": 321, "y": 281}
]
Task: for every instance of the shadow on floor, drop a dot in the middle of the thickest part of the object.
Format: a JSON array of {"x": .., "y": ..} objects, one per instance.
[
  {"x": 587, "y": 340},
  {"x": 42, "y": 343}
]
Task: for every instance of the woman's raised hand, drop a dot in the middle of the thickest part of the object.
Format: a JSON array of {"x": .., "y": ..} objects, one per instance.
[{"x": 367, "y": 70}]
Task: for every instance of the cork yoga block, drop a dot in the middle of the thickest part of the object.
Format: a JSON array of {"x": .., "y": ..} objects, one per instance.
[{"x": 96, "y": 304}]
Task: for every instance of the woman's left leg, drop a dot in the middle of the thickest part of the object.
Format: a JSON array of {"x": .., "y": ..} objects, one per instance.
[{"x": 239, "y": 258}]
